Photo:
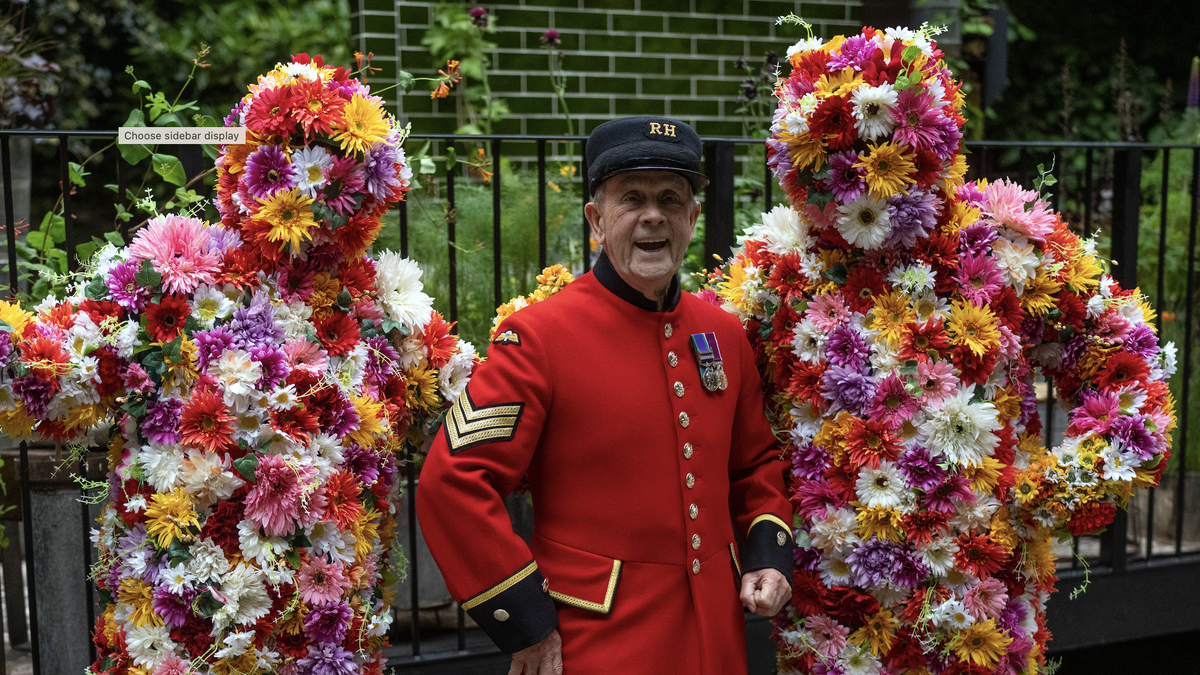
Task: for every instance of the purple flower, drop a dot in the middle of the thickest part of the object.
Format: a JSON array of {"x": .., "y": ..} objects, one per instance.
[
  {"x": 340, "y": 417},
  {"x": 941, "y": 497},
  {"x": 479, "y": 17},
  {"x": 970, "y": 194},
  {"x": 912, "y": 216},
  {"x": 875, "y": 562},
  {"x": 846, "y": 348},
  {"x": 174, "y": 609},
  {"x": 268, "y": 171},
  {"x": 388, "y": 471},
  {"x": 806, "y": 558},
  {"x": 848, "y": 389},
  {"x": 6, "y": 348},
  {"x": 949, "y": 138},
  {"x": 379, "y": 168},
  {"x": 362, "y": 461},
  {"x": 327, "y": 659},
  {"x": 853, "y": 53},
  {"x": 161, "y": 422},
  {"x": 919, "y": 469},
  {"x": 234, "y": 118},
  {"x": 35, "y": 393},
  {"x": 221, "y": 239},
  {"x": 381, "y": 358},
  {"x": 1141, "y": 341},
  {"x": 327, "y": 624},
  {"x": 846, "y": 180},
  {"x": 274, "y": 365},
  {"x": 1132, "y": 432},
  {"x": 1014, "y": 614},
  {"x": 780, "y": 162},
  {"x": 976, "y": 240},
  {"x": 911, "y": 570},
  {"x": 551, "y": 38},
  {"x": 123, "y": 287},
  {"x": 809, "y": 462},
  {"x": 210, "y": 344},
  {"x": 255, "y": 325}
]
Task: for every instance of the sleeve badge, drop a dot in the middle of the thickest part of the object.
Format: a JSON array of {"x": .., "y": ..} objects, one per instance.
[
  {"x": 508, "y": 337},
  {"x": 469, "y": 425}
]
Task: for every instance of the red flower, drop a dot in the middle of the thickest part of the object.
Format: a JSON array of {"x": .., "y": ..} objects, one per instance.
[
  {"x": 833, "y": 122},
  {"x": 883, "y": 68},
  {"x": 109, "y": 370},
  {"x": 316, "y": 107},
  {"x": 194, "y": 634},
  {"x": 979, "y": 556},
  {"x": 99, "y": 310},
  {"x": 1091, "y": 517},
  {"x": 923, "y": 338},
  {"x": 271, "y": 113},
  {"x": 974, "y": 369},
  {"x": 338, "y": 333},
  {"x": 222, "y": 525},
  {"x": 929, "y": 168},
  {"x": 45, "y": 358},
  {"x": 808, "y": 593},
  {"x": 341, "y": 497},
  {"x": 786, "y": 278},
  {"x": 297, "y": 423},
  {"x": 849, "y": 605},
  {"x": 205, "y": 423},
  {"x": 863, "y": 284},
  {"x": 805, "y": 384},
  {"x": 921, "y": 525},
  {"x": 439, "y": 343},
  {"x": 870, "y": 442},
  {"x": 1007, "y": 308},
  {"x": 1122, "y": 368},
  {"x": 165, "y": 319}
]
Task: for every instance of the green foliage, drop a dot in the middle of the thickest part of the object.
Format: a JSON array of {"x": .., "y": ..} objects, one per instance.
[{"x": 455, "y": 36}]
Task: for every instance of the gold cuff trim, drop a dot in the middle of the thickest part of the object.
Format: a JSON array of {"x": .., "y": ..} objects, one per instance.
[
  {"x": 594, "y": 606},
  {"x": 736, "y": 564},
  {"x": 500, "y": 587},
  {"x": 774, "y": 519}
]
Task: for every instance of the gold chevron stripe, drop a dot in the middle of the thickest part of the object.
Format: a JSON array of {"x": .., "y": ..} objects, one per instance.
[
  {"x": 499, "y": 588},
  {"x": 604, "y": 607},
  {"x": 468, "y": 424}
]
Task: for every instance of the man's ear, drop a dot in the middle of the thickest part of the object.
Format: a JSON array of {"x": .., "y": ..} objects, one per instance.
[{"x": 592, "y": 213}]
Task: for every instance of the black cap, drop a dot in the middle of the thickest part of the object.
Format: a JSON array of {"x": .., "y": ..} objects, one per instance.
[{"x": 640, "y": 143}]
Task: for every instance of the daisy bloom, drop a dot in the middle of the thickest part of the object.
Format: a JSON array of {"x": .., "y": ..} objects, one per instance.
[
  {"x": 864, "y": 222},
  {"x": 888, "y": 169},
  {"x": 169, "y": 515},
  {"x": 882, "y": 486},
  {"x": 205, "y": 423},
  {"x": 872, "y": 110},
  {"x": 268, "y": 170},
  {"x": 311, "y": 164},
  {"x": 362, "y": 124},
  {"x": 166, "y": 318},
  {"x": 981, "y": 644},
  {"x": 321, "y": 583},
  {"x": 290, "y": 217}
]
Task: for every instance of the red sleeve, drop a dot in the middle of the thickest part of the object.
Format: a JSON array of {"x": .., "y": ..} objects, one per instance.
[{"x": 478, "y": 457}]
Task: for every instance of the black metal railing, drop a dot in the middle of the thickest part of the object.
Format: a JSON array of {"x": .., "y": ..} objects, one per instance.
[{"x": 1100, "y": 186}]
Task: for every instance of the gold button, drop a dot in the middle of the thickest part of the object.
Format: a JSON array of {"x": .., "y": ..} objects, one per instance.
[
  {"x": 696, "y": 566},
  {"x": 679, "y": 389},
  {"x": 672, "y": 359},
  {"x": 690, "y": 480},
  {"x": 695, "y": 541},
  {"x": 781, "y": 538},
  {"x": 694, "y": 511},
  {"x": 684, "y": 420},
  {"x": 667, "y": 330},
  {"x": 500, "y": 615},
  {"x": 687, "y": 450}
]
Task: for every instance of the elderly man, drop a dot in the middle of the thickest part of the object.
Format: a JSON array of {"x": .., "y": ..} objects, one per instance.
[{"x": 636, "y": 412}]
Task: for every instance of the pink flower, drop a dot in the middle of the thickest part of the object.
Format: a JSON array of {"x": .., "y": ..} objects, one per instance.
[
  {"x": 828, "y": 311},
  {"x": 892, "y": 403},
  {"x": 172, "y": 665},
  {"x": 306, "y": 357},
  {"x": 1097, "y": 413},
  {"x": 986, "y": 600},
  {"x": 979, "y": 279},
  {"x": 178, "y": 249},
  {"x": 1008, "y": 205},
  {"x": 320, "y": 582},
  {"x": 916, "y": 119},
  {"x": 828, "y": 636},
  {"x": 937, "y": 379},
  {"x": 274, "y": 503},
  {"x": 708, "y": 296}
]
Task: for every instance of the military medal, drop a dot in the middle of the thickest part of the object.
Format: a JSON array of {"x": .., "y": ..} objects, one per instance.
[{"x": 708, "y": 358}]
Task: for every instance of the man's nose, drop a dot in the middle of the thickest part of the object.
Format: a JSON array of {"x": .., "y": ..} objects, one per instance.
[{"x": 653, "y": 213}]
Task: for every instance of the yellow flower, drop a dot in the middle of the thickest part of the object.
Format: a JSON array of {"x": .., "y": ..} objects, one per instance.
[
  {"x": 169, "y": 515},
  {"x": 985, "y": 476},
  {"x": 1082, "y": 273},
  {"x": 421, "y": 390},
  {"x": 290, "y": 215},
  {"x": 139, "y": 595},
  {"x": 1002, "y": 533},
  {"x": 13, "y": 315},
  {"x": 183, "y": 373},
  {"x": 840, "y": 83},
  {"x": 555, "y": 276},
  {"x": 961, "y": 215},
  {"x": 370, "y": 421},
  {"x": 16, "y": 423},
  {"x": 879, "y": 522},
  {"x": 1026, "y": 486},
  {"x": 1038, "y": 298},
  {"x": 878, "y": 632},
  {"x": 888, "y": 169},
  {"x": 324, "y": 294},
  {"x": 365, "y": 531},
  {"x": 362, "y": 124},
  {"x": 981, "y": 643},
  {"x": 973, "y": 326},
  {"x": 892, "y": 313},
  {"x": 805, "y": 151},
  {"x": 730, "y": 288}
]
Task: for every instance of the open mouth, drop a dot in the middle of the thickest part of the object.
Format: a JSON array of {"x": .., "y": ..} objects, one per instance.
[{"x": 656, "y": 245}]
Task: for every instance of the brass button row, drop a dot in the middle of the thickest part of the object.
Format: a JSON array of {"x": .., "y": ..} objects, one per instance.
[
  {"x": 672, "y": 359},
  {"x": 694, "y": 511},
  {"x": 687, "y": 450},
  {"x": 668, "y": 331},
  {"x": 684, "y": 420}
]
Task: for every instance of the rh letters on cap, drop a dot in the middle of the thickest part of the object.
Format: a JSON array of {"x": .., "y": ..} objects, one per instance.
[{"x": 661, "y": 131}]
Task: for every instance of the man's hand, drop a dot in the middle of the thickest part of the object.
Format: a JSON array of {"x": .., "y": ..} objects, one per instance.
[
  {"x": 544, "y": 658},
  {"x": 765, "y": 591}
]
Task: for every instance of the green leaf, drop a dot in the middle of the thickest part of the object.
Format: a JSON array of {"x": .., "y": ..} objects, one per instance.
[
  {"x": 293, "y": 557},
  {"x": 7, "y": 328},
  {"x": 57, "y": 227},
  {"x": 132, "y": 154},
  {"x": 85, "y": 250},
  {"x": 301, "y": 540},
  {"x": 819, "y": 198},
  {"x": 206, "y": 605},
  {"x": 979, "y": 396},
  {"x": 96, "y": 290},
  {"x": 910, "y": 53},
  {"x": 902, "y": 82},
  {"x": 405, "y": 80},
  {"x": 837, "y": 273},
  {"x": 135, "y": 405},
  {"x": 76, "y": 172},
  {"x": 147, "y": 277},
  {"x": 344, "y": 300},
  {"x": 171, "y": 350},
  {"x": 178, "y": 550},
  {"x": 451, "y": 158},
  {"x": 427, "y": 167},
  {"x": 114, "y": 238},
  {"x": 140, "y": 84},
  {"x": 135, "y": 119},
  {"x": 170, "y": 168},
  {"x": 36, "y": 239},
  {"x": 389, "y": 326},
  {"x": 247, "y": 466}
]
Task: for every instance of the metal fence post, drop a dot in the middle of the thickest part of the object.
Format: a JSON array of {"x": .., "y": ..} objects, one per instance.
[{"x": 718, "y": 202}]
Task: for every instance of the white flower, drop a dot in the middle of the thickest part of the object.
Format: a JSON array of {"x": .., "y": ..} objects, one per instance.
[
  {"x": 209, "y": 304},
  {"x": 260, "y": 549},
  {"x": 209, "y": 477},
  {"x": 806, "y": 423},
  {"x": 266, "y": 661},
  {"x": 236, "y": 644},
  {"x": 974, "y": 516},
  {"x": 294, "y": 316},
  {"x": 379, "y": 623},
  {"x": 960, "y": 429},
  {"x": 915, "y": 279},
  {"x": 177, "y": 579},
  {"x": 453, "y": 376},
  {"x": 8, "y": 400},
  {"x": 162, "y": 467},
  {"x": 238, "y": 375},
  {"x": 148, "y": 645},
  {"x": 952, "y": 615},
  {"x": 938, "y": 555},
  {"x": 327, "y": 539},
  {"x": 855, "y": 660},
  {"x": 282, "y": 398},
  {"x": 958, "y": 581},
  {"x": 883, "y": 487},
  {"x": 783, "y": 229},
  {"x": 1016, "y": 258},
  {"x": 401, "y": 295},
  {"x": 1119, "y": 465},
  {"x": 834, "y": 533},
  {"x": 311, "y": 164},
  {"x": 805, "y": 45},
  {"x": 864, "y": 222},
  {"x": 1169, "y": 354},
  {"x": 835, "y": 571},
  {"x": 302, "y": 71},
  {"x": 136, "y": 503},
  {"x": 245, "y": 597},
  {"x": 808, "y": 341},
  {"x": 873, "y": 110},
  {"x": 208, "y": 563}
]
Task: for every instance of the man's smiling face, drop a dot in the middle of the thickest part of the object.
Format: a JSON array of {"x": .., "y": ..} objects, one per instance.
[{"x": 645, "y": 220}]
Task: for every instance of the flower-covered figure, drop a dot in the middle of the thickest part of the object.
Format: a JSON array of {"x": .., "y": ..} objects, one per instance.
[
  {"x": 901, "y": 316},
  {"x": 257, "y": 382}
]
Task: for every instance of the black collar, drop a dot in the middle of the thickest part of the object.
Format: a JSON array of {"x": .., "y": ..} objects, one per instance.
[{"x": 608, "y": 277}]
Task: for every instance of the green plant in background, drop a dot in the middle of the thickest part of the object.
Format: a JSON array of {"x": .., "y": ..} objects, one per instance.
[
  {"x": 28, "y": 82},
  {"x": 457, "y": 34}
]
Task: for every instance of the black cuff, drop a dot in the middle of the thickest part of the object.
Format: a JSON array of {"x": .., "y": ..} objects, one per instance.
[
  {"x": 768, "y": 545},
  {"x": 517, "y": 612}
]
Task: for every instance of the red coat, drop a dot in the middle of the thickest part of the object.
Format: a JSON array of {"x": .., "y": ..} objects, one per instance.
[{"x": 639, "y": 477}]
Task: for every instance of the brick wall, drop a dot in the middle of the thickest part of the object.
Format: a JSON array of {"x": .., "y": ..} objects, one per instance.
[{"x": 624, "y": 57}]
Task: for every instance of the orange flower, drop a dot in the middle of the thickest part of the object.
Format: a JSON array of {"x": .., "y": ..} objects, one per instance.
[
  {"x": 441, "y": 91},
  {"x": 205, "y": 423},
  {"x": 45, "y": 358},
  {"x": 341, "y": 498}
]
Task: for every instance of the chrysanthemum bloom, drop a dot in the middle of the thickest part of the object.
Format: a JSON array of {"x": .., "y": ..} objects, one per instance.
[
  {"x": 327, "y": 623},
  {"x": 981, "y": 644},
  {"x": 864, "y": 222},
  {"x": 321, "y": 583},
  {"x": 161, "y": 422},
  {"x": 362, "y": 124},
  {"x": 169, "y": 515},
  {"x": 271, "y": 112},
  {"x": 379, "y": 169},
  {"x": 175, "y": 609},
  {"x": 317, "y": 106},
  {"x": 1022, "y": 211},
  {"x": 344, "y": 182},
  {"x": 290, "y": 217},
  {"x": 205, "y": 423},
  {"x": 123, "y": 287},
  {"x": 327, "y": 659},
  {"x": 846, "y": 177},
  {"x": 916, "y": 119},
  {"x": 833, "y": 122},
  {"x": 275, "y": 502},
  {"x": 342, "y": 499},
  {"x": 888, "y": 169},
  {"x": 178, "y": 249},
  {"x": 166, "y": 318},
  {"x": 268, "y": 170}
]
